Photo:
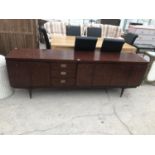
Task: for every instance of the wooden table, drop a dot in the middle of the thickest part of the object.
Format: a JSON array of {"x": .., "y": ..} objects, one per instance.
[
  {"x": 33, "y": 68},
  {"x": 68, "y": 42}
]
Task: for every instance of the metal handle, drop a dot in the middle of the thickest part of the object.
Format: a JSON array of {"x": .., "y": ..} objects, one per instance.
[
  {"x": 62, "y": 81},
  {"x": 63, "y": 65},
  {"x": 63, "y": 73}
]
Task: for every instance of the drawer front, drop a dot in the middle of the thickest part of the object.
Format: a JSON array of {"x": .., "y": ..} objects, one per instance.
[
  {"x": 63, "y": 73},
  {"x": 64, "y": 65},
  {"x": 63, "y": 82}
]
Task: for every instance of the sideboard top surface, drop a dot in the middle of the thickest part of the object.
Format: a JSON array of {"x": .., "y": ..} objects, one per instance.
[{"x": 71, "y": 55}]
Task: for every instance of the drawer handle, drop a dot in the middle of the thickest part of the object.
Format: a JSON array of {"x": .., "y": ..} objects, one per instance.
[
  {"x": 62, "y": 81},
  {"x": 63, "y": 73},
  {"x": 63, "y": 65}
]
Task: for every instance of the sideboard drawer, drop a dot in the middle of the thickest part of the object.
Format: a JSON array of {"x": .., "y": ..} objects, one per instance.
[
  {"x": 64, "y": 65},
  {"x": 63, "y": 82},
  {"x": 63, "y": 73}
]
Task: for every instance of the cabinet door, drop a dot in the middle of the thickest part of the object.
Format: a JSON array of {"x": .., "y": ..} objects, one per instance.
[
  {"x": 120, "y": 75},
  {"x": 84, "y": 74},
  {"x": 19, "y": 74},
  {"x": 111, "y": 75},
  {"x": 102, "y": 75},
  {"x": 40, "y": 74},
  {"x": 137, "y": 74}
]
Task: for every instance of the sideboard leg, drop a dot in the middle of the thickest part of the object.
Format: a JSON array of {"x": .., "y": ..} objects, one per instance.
[
  {"x": 106, "y": 91},
  {"x": 122, "y": 91},
  {"x": 30, "y": 92}
]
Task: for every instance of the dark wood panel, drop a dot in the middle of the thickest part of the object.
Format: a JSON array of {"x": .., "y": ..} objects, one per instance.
[
  {"x": 70, "y": 57},
  {"x": 137, "y": 74},
  {"x": 102, "y": 74},
  {"x": 118, "y": 74},
  {"x": 84, "y": 74},
  {"x": 64, "y": 65},
  {"x": 63, "y": 73},
  {"x": 40, "y": 74},
  {"x": 63, "y": 82},
  {"x": 18, "y": 33},
  {"x": 19, "y": 74},
  {"x": 30, "y": 68}
]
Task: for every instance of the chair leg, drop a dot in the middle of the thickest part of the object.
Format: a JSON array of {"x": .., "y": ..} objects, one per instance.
[{"x": 122, "y": 91}]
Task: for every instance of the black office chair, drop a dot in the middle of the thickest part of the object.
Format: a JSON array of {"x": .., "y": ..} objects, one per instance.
[
  {"x": 115, "y": 22},
  {"x": 132, "y": 23},
  {"x": 94, "y": 32},
  {"x": 130, "y": 38},
  {"x": 85, "y": 44},
  {"x": 44, "y": 33},
  {"x": 73, "y": 30},
  {"x": 112, "y": 45}
]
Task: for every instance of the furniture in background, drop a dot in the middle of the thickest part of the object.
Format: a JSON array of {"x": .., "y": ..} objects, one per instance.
[
  {"x": 18, "y": 33},
  {"x": 115, "y": 22},
  {"x": 150, "y": 73},
  {"x": 94, "y": 31},
  {"x": 44, "y": 33},
  {"x": 34, "y": 68},
  {"x": 69, "y": 42},
  {"x": 5, "y": 89},
  {"x": 73, "y": 30},
  {"x": 58, "y": 28},
  {"x": 41, "y": 23},
  {"x": 146, "y": 34},
  {"x": 85, "y": 44},
  {"x": 132, "y": 23},
  {"x": 141, "y": 48},
  {"x": 55, "y": 28},
  {"x": 112, "y": 45},
  {"x": 106, "y": 30},
  {"x": 130, "y": 38}
]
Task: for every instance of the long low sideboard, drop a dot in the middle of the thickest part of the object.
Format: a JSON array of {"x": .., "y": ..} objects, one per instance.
[{"x": 34, "y": 68}]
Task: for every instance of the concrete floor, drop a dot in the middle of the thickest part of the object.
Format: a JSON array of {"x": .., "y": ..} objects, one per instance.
[{"x": 79, "y": 112}]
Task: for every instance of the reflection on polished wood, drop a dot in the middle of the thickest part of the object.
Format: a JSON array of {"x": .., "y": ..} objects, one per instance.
[
  {"x": 71, "y": 55},
  {"x": 34, "y": 68},
  {"x": 69, "y": 41}
]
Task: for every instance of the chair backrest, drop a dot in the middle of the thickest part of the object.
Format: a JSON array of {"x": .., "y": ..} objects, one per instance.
[
  {"x": 111, "y": 21},
  {"x": 43, "y": 31},
  {"x": 93, "y": 31},
  {"x": 132, "y": 23},
  {"x": 73, "y": 30},
  {"x": 85, "y": 44},
  {"x": 55, "y": 28},
  {"x": 112, "y": 45},
  {"x": 130, "y": 38}
]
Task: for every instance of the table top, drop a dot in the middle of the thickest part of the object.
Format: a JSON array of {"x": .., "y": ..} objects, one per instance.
[
  {"x": 71, "y": 55},
  {"x": 69, "y": 41}
]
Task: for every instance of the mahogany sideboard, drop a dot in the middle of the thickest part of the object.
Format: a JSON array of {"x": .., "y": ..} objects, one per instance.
[{"x": 34, "y": 68}]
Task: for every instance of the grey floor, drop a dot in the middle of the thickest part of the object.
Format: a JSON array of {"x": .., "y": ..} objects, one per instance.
[{"x": 79, "y": 112}]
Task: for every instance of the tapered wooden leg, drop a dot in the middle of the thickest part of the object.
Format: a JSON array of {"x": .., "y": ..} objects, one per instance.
[
  {"x": 122, "y": 91},
  {"x": 106, "y": 90},
  {"x": 30, "y": 92}
]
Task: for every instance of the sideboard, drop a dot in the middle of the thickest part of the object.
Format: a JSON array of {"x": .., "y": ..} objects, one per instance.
[{"x": 58, "y": 68}]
